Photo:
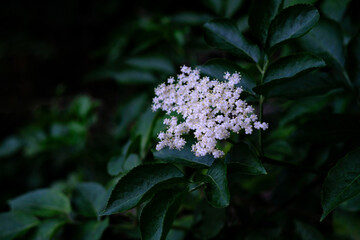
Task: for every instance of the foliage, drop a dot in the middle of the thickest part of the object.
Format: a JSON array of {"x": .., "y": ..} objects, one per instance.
[{"x": 85, "y": 166}]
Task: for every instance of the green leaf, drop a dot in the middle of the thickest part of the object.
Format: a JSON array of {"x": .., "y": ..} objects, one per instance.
[
  {"x": 262, "y": 12},
  {"x": 311, "y": 84},
  {"x": 92, "y": 230},
  {"x": 216, "y": 191},
  {"x": 334, "y": 9},
  {"x": 326, "y": 40},
  {"x": 184, "y": 157},
  {"x": 89, "y": 198},
  {"x": 307, "y": 232},
  {"x": 288, "y": 3},
  {"x": 42, "y": 203},
  {"x": 242, "y": 160},
  {"x": 138, "y": 184},
  {"x": 292, "y": 66},
  {"x": 152, "y": 63},
  {"x": 13, "y": 224},
  {"x": 10, "y": 145},
  {"x": 346, "y": 225},
  {"x": 224, "y": 34},
  {"x": 351, "y": 205},
  {"x": 353, "y": 61},
  {"x": 144, "y": 129},
  {"x": 341, "y": 183},
  {"x": 292, "y": 22},
  {"x": 124, "y": 77},
  {"x": 217, "y": 67},
  {"x": 231, "y": 7},
  {"x": 47, "y": 229},
  {"x": 158, "y": 214}
]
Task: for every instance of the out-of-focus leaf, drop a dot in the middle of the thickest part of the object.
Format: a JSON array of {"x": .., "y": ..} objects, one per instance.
[
  {"x": 47, "y": 229},
  {"x": 217, "y": 67},
  {"x": 292, "y": 22},
  {"x": 342, "y": 182},
  {"x": 92, "y": 230},
  {"x": 224, "y": 34},
  {"x": 231, "y": 7},
  {"x": 10, "y": 145},
  {"x": 292, "y": 66},
  {"x": 158, "y": 215},
  {"x": 184, "y": 156},
  {"x": 89, "y": 198},
  {"x": 138, "y": 184},
  {"x": 311, "y": 84},
  {"x": 208, "y": 221},
  {"x": 124, "y": 77},
  {"x": 191, "y": 18},
  {"x": 307, "y": 232},
  {"x": 288, "y": 3},
  {"x": 132, "y": 109},
  {"x": 216, "y": 191},
  {"x": 42, "y": 202},
  {"x": 131, "y": 161},
  {"x": 214, "y": 5},
  {"x": 13, "y": 224},
  {"x": 346, "y": 225},
  {"x": 243, "y": 161},
  {"x": 152, "y": 63},
  {"x": 334, "y": 9},
  {"x": 262, "y": 12},
  {"x": 353, "y": 61}
]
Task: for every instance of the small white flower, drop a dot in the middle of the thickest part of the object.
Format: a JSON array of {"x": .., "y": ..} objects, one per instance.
[{"x": 210, "y": 109}]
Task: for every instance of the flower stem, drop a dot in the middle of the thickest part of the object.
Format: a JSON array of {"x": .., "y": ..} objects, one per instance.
[{"x": 261, "y": 107}]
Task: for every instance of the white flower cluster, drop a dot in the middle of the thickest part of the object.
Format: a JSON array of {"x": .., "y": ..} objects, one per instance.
[{"x": 208, "y": 108}]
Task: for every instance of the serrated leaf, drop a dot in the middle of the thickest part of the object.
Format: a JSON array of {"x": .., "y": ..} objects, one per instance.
[
  {"x": 184, "y": 156},
  {"x": 42, "y": 203},
  {"x": 311, "y": 84},
  {"x": 292, "y": 22},
  {"x": 89, "y": 198},
  {"x": 47, "y": 229},
  {"x": 158, "y": 214},
  {"x": 341, "y": 183},
  {"x": 224, "y": 34},
  {"x": 292, "y": 66},
  {"x": 92, "y": 230},
  {"x": 217, "y": 67},
  {"x": 242, "y": 160},
  {"x": 262, "y": 12},
  {"x": 13, "y": 224},
  {"x": 216, "y": 191},
  {"x": 138, "y": 184}
]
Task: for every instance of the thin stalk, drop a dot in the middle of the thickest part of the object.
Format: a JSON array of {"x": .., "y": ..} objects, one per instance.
[{"x": 261, "y": 106}]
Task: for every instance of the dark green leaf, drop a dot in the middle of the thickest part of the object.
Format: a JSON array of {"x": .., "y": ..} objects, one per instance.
[
  {"x": 92, "y": 230},
  {"x": 214, "y": 5},
  {"x": 154, "y": 63},
  {"x": 47, "y": 229},
  {"x": 262, "y": 12},
  {"x": 231, "y": 6},
  {"x": 89, "y": 199},
  {"x": 217, "y": 67},
  {"x": 312, "y": 84},
  {"x": 10, "y": 145},
  {"x": 342, "y": 182},
  {"x": 288, "y": 3},
  {"x": 291, "y": 66},
  {"x": 158, "y": 215},
  {"x": 292, "y": 22},
  {"x": 13, "y": 224},
  {"x": 43, "y": 203},
  {"x": 216, "y": 191},
  {"x": 184, "y": 156},
  {"x": 224, "y": 34},
  {"x": 307, "y": 232},
  {"x": 353, "y": 63},
  {"x": 346, "y": 225},
  {"x": 351, "y": 205},
  {"x": 334, "y": 9},
  {"x": 325, "y": 39},
  {"x": 242, "y": 160},
  {"x": 208, "y": 221},
  {"x": 138, "y": 184}
]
